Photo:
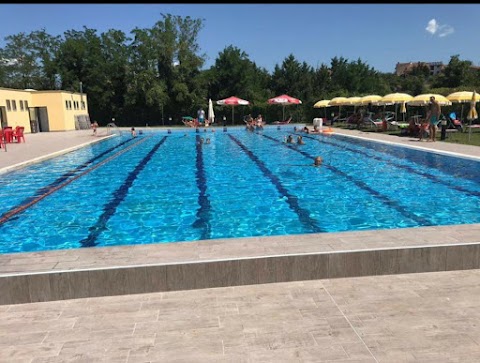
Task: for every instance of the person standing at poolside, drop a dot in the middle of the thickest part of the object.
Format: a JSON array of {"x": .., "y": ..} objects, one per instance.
[
  {"x": 433, "y": 116},
  {"x": 94, "y": 127},
  {"x": 201, "y": 116}
]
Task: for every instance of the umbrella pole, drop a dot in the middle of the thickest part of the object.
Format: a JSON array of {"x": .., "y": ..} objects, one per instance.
[
  {"x": 283, "y": 112},
  {"x": 461, "y": 114},
  {"x": 469, "y": 130},
  {"x": 232, "y": 115}
]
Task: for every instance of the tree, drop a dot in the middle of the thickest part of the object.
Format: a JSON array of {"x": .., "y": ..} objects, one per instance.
[
  {"x": 457, "y": 73},
  {"x": 29, "y": 60}
]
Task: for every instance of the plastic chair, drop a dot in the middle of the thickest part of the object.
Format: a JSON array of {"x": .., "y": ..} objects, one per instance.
[
  {"x": 8, "y": 134},
  {"x": 2, "y": 140},
  {"x": 18, "y": 134}
]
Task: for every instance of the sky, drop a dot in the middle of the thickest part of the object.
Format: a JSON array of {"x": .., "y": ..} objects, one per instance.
[{"x": 378, "y": 35}]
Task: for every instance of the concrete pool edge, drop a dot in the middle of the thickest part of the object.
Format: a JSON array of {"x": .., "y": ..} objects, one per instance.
[{"x": 135, "y": 277}]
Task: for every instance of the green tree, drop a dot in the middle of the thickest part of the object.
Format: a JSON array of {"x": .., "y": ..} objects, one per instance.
[
  {"x": 29, "y": 60},
  {"x": 457, "y": 73},
  {"x": 115, "y": 63}
]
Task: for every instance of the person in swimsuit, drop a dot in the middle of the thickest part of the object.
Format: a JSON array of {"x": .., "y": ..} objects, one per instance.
[{"x": 433, "y": 117}]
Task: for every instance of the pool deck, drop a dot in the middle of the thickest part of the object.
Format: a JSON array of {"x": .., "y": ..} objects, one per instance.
[{"x": 337, "y": 297}]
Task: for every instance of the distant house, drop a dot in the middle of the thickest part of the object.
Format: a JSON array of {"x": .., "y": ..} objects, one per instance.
[
  {"x": 404, "y": 68},
  {"x": 43, "y": 111}
]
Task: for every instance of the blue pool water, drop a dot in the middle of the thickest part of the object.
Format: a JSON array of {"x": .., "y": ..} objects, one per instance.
[{"x": 167, "y": 187}]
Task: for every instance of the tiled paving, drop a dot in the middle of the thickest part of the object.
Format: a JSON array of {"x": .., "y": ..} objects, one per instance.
[{"x": 428, "y": 317}]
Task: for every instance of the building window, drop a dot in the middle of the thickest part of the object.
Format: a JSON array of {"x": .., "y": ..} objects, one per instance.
[
  {"x": 9, "y": 106},
  {"x": 75, "y": 104},
  {"x": 14, "y": 105},
  {"x": 21, "y": 105},
  {"x": 83, "y": 105},
  {"x": 26, "y": 105},
  {"x": 66, "y": 104},
  {"x": 69, "y": 105}
]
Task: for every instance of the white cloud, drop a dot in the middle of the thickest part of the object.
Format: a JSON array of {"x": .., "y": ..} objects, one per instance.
[
  {"x": 433, "y": 27},
  {"x": 445, "y": 30}
]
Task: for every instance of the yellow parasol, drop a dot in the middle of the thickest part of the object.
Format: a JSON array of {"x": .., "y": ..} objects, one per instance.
[
  {"x": 460, "y": 97},
  {"x": 353, "y": 101},
  {"x": 373, "y": 99},
  {"x": 339, "y": 101},
  {"x": 322, "y": 104},
  {"x": 424, "y": 99},
  {"x": 472, "y": 114},
  {"x": 394, "y": 99}
]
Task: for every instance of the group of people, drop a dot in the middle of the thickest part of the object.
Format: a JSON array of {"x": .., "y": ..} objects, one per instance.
[
  {"x": 254, "y": 123},
  {"x": 202, "y": 140},
  {"x": 316, "y": 130},
  {"x": 199, "y": 121},
  {"x": 291, "y": 140}
]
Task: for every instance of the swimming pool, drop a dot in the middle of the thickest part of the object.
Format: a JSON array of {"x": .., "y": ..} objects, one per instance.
[{"x": 167, "y": 187}]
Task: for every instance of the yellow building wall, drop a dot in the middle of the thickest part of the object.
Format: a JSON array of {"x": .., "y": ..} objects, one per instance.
[
  {"x": 18, "y": 117},
  {"x": 62, "y": 107}
]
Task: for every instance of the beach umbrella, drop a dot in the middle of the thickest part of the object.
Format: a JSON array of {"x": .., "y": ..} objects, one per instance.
[
  {"x": 353, "y": 101},
  {"x": 424, "y": 100},
  {"x": 322, "y": 104},
  {"x": 472, "y": 114},
  {"x": 284, "y": 100},
  {"x": 339, "y": 101},
  {"x": 233, "y": 102},
  {"x": 211, "y": 113},
  {"x": 395, "y": 99},
  {"x": 373, "y": 99},
  {"x": 460, "y": 97}
]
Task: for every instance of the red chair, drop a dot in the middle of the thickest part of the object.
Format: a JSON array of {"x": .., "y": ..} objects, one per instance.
[
  {"x": 8, "y": 134},
  {"x": 2, "y": 140},
  {"x": 18, "y": 134}
]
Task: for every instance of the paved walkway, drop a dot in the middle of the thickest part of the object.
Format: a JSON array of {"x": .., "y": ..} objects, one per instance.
[
  {"x": 44, "y": 145},
  {"x": 428, "y": 317}
]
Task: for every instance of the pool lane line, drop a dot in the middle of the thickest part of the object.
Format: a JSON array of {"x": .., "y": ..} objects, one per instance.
[
  {"x": 20, "y": 208},
  {"x": 204, "y": 212},
  {"x": 72, "y": 172},
  {"x": 118, "y": 197},
  {"x": 404, "y": 167},
  {"x": 386, "y": 200},
  {"x": 292, "y": 201},
  {"x": 64, "y": 177}
]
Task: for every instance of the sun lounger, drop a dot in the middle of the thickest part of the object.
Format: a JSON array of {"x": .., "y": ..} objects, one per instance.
[{"x": 283, "y": 122}]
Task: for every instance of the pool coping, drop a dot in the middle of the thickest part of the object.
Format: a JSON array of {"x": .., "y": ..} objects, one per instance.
[{"x": 103, "y": 271}]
